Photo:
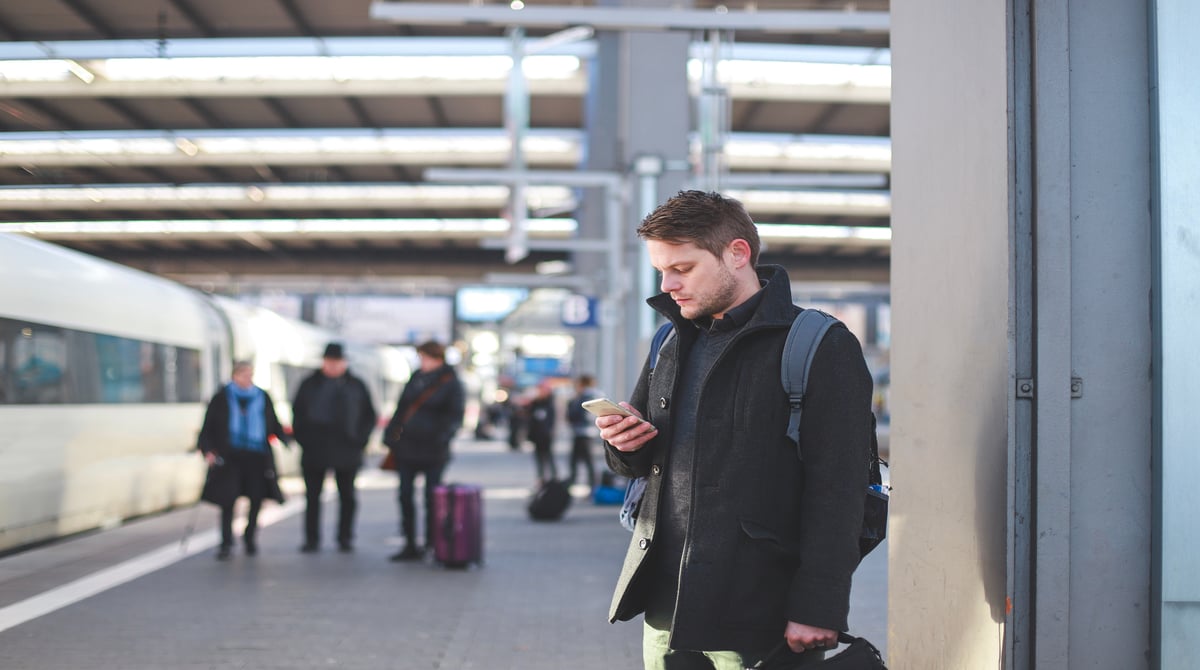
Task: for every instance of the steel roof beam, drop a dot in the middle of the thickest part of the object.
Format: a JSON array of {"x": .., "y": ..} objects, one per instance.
[
  {"x": 630, "y": 18},
  {"x": 90, "y": 17},
  {"x": 189, "y": 13},
  {"x": 573, "y": 86},
  {"x": 297, "y": 17}
]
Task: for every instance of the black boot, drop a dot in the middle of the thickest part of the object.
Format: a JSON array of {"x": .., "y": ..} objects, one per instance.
[{"x": 410, "y": 552}]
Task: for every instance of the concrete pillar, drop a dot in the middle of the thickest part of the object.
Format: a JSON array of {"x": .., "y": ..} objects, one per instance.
[
  {"x": 655, "y": 121},
  {"x": 637, "y": 105},
  {"x": 1022, "y": 383},
  {"x": 951, "y": 358},
  {"x": 602, "y": 154}
]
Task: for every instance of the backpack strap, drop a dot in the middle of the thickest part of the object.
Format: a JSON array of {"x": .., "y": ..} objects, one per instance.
[
  {"x": 661, "y": 336},
  {"x": 798, "y": 352}
]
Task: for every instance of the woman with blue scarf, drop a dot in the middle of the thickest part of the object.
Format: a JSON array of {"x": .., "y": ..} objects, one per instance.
[{"x": 239, "y": 421}]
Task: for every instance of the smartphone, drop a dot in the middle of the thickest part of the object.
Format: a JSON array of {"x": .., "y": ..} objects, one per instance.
[{"x": 605, "y": 407}]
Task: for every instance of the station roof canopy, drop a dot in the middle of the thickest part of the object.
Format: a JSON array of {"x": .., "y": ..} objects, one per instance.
[{"x": 279, "y": 138}]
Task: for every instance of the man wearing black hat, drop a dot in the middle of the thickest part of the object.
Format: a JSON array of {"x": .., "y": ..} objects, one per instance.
[{"x": 332, "y": 419}]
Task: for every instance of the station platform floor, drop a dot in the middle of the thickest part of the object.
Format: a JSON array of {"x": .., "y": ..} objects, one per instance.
[{"x": 149, "y": 594}]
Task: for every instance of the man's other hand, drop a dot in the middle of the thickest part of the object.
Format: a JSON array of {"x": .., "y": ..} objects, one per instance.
[{"x": 802, "y": 638}]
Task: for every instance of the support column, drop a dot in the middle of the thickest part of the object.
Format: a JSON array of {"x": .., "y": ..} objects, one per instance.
[
  {"x": 1176, "y": 322},
  {"x": 951, "y": 334},
  {"x": 654, "y": 119},
  {"x": 631, "y": 69},
  {"x": 1021, "y": 366}
]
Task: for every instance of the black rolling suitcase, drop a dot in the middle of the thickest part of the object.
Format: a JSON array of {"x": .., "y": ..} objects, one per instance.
[{"x": 550, "y": 501}]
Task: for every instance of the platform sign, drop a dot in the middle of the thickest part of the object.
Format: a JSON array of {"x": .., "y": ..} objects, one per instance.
[{"x": 580, "y": 311}]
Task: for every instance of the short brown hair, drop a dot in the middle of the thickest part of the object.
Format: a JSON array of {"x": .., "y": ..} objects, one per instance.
[
  {"x": 709, "y": 220},
  {"x": 432, "y": 349}
]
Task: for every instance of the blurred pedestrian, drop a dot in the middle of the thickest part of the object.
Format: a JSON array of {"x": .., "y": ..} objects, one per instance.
[
  {"x": 583, "y": 429},
  {"x": 429, "y": 413},
  {"x": 333, "y": 419},
  {"x": 514, "y": 412},
  {"x": 234, "y": 438},
  {"x": 541, "y": 418}
]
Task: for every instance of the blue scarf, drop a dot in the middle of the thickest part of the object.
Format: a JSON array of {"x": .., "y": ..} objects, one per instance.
[{"x": 247, "y": 427}]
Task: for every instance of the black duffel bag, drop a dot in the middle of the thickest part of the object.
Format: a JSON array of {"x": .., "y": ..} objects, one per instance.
[
  {"x": 859, "y": 655},
  {"x": 550, "y": 501}
]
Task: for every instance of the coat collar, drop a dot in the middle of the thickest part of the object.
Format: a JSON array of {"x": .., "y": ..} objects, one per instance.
[{"x": 774, "y": 309}]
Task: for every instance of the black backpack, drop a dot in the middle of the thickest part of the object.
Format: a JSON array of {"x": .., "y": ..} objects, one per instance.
[{"x": 806, "y": 333}]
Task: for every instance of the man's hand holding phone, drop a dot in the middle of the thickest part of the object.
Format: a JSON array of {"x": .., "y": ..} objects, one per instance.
[{"x": 621, "y": 425}]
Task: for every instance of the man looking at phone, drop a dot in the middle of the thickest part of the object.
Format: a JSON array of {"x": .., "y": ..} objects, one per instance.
[{"x": 739, "y": 543}]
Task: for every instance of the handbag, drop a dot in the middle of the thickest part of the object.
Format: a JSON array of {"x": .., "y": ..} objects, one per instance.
[
  {"x": 389, "y": 462},
  {"x": 271, "y": 487},
  {"x": 859, "y": 655},
  {"x": 220, "y": 485}
]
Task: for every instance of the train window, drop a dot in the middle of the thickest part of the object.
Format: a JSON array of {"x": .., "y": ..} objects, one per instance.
[
  {"x": 41, "y": 364},
  {"x": 120, "y": 362},
  {"x": 187, "y": 374},
  {"x": 35, "y": 364}
]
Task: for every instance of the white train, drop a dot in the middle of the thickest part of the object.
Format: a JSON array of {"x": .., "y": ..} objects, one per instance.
[{"x": 104, "y": 376}]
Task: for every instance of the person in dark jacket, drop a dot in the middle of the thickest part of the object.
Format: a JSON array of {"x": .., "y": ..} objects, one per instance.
[
  {"x": 739, "y": 542},
  {"x": 333, "y": 417},
  {"x": 542, "y": 417},
  {"x": 428, "y": 414},
  {"x": 582, "y": 430},
  {"x": 234, "y": 438}
]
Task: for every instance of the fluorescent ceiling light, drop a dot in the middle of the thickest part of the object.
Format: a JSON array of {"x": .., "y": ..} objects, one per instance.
[
  {"x": 290, "y": 68},
  {"x": 240, "y": 47},
  {"x": 368, "y": 196},
  {"x": 816, "y": 203},
  {"x": 751, "y": 151},
  {"x": 35, "y": 70},
  {"x": 337, "y": 68},
  {"x": 290, "y": 196},
  {"x": 484, "y": 146},
  {"x": 396, "y": 228},
  {"x": 767, "y": 72},
  {"x": 817, "y": 234},
  {"x": 313, "y": 228},
  {"x": 784, "y": 79}
]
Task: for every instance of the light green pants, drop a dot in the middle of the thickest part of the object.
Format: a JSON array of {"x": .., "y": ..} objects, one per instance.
[{"x": 658, "y": 655}]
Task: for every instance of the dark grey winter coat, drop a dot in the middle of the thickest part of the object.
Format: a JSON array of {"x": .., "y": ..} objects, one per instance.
[
  {"x": 339, "y": 444},
  {"x": 424, "y": 439},
  {"x": 770, "y": 539}
]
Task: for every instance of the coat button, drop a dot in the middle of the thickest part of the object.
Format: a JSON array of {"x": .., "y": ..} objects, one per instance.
[
  {"x": 643, "y": 543},
  {"x": 662, "y": 403},
  {"x": 656, "y": 469}
]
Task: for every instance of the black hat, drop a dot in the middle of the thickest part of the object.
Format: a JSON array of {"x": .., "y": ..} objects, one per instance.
[{"x": 334, "y": 350}]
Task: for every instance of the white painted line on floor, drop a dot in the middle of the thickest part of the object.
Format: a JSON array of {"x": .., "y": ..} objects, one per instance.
[{"x": 103, "y": 580}]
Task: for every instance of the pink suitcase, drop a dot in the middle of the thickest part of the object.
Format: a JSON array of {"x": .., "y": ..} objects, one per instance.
[{"x": 458, "y": 525}]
